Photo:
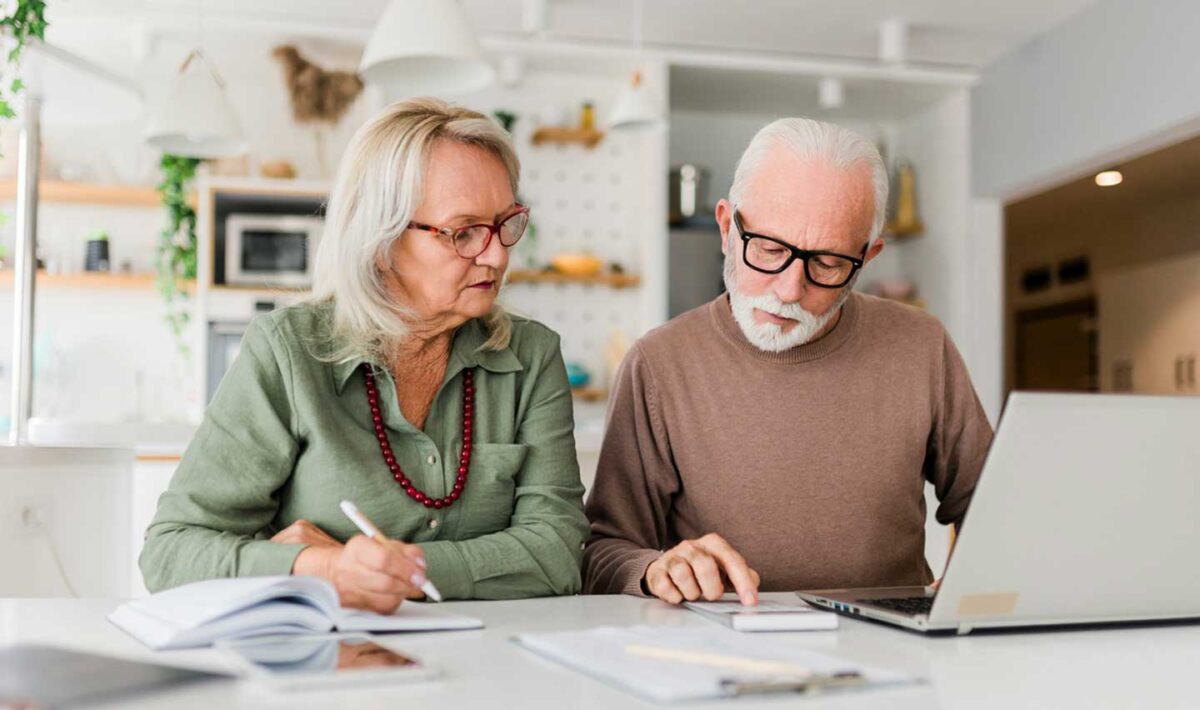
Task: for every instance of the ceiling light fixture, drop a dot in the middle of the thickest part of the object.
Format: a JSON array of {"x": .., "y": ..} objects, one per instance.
[
  {"x": 196, "y": 119},
  {"x": 636, "y": 107},
  {"x": 832, "y": 93},
  {"x": 424, "y": 47},
  {"x": 893, "y": 41},
  {"x": 1109, "y": 178}
]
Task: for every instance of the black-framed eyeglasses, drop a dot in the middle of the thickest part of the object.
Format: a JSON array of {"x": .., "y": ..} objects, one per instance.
[
  {"x": 472, "y": 240},
  {"x": 769, "y": 255}
]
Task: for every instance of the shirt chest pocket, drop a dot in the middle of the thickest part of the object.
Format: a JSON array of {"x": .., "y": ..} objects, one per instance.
[{"x": 490, "y": 495}]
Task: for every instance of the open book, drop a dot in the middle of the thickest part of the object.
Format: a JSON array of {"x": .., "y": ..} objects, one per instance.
[{"x": 200, "y": 613}]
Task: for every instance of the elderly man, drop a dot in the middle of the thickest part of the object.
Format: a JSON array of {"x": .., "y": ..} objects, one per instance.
[{"x": 781, "y": 435}]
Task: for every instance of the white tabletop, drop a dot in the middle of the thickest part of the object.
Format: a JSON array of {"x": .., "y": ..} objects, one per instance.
[{"x": 1096, "y": 668}]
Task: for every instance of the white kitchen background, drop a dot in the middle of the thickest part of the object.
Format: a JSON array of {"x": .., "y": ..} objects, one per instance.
[
  {"x": 105, "y": 356},
  {"x": 604, "y": 201}
]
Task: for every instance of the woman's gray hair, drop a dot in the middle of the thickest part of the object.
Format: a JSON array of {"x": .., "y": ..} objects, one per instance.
[
  {"x": 807, "y": 138},
  {"x": 375, "y": 194}
]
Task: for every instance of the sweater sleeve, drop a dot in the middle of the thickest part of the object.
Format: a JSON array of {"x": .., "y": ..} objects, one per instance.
[
  {"x": 636, "y": 481},
  {"x": 960, "y": 439}
]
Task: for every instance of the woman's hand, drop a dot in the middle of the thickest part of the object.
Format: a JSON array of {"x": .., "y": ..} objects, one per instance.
[
  {"x": 368, "y": 574},
  {"x": 305, "y": 533}
]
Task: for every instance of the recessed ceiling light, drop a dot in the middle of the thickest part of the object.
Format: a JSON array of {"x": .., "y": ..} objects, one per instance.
[{"x": 1108, "y": 178}]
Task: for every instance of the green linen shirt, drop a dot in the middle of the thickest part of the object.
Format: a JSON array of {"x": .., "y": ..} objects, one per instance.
[{"x": 289, "y": 435}]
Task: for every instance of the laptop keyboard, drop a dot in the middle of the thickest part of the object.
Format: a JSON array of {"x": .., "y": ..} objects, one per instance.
[{"x": 905, "y": 605}]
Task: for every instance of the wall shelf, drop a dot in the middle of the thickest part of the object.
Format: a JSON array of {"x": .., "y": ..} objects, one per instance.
[
  {"x": 589, "y": 394},
  {"x": 587, "y": 137},
  {"x": 894, "y": 232},
  {"x": 553, "y": 277},
  {"x": 88, "y": 193},
  {"x": 89, "y": 280}
]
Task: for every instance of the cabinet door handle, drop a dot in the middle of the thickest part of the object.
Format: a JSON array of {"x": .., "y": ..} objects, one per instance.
[
  {"x": 1178, "y": 373},
  {"x": 1191, "y": 371}
]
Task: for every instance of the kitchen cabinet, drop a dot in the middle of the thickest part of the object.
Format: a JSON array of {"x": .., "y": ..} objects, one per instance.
[
  {"x": 1150, "y": 328},
  {"x": 151, "y": 476}
]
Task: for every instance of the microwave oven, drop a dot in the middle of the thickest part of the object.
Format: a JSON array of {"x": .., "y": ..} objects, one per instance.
[{"x": 271, "y": 250}]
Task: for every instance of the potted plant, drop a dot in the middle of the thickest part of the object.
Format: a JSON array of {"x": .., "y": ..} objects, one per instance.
[
  {"x": 26, "y": 19},
  {"x": 176, "y": 263}
]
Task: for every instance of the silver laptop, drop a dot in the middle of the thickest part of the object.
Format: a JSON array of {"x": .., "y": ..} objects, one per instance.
[{"x": 1087, "y": 511}]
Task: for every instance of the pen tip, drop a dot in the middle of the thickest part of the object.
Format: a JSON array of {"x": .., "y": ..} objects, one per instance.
[{"x": 348, "y": 507}]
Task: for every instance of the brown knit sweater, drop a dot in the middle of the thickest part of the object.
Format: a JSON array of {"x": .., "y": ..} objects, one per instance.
[{"x": 811, "y": 462}]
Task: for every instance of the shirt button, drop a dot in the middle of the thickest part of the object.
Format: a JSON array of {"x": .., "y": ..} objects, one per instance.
[
  {"x": 433, "y": 524},
  {"x": 431, "y": 460}
]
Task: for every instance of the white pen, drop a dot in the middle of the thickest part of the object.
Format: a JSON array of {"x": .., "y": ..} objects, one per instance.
[{"x": 370, "y": 530}]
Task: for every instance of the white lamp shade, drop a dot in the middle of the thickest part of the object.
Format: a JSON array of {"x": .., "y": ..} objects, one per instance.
[
  {"x": 636, "y": 108},
  {"x": 424, "y": 47},
  {"x": 196, "y": 119}
]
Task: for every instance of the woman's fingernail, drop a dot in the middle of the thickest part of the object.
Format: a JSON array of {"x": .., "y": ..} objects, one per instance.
[
  {"x": 421, "y": 562},
  {"x": 418, "y": 579}
]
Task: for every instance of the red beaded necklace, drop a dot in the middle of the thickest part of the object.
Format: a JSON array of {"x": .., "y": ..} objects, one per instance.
[{"x": 464, "y": 463}]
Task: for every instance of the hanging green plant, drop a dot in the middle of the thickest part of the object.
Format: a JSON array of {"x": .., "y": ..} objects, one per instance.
[
  {"x": 27, "y": 19},
  {"x": 176, "y": 264}
]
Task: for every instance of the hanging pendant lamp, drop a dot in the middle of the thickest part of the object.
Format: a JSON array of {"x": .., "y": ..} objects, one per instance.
[
  {"x": 636, "y": 107},
  {"x": 196, "y": 119},
  {"x": 424, "y": 47}
]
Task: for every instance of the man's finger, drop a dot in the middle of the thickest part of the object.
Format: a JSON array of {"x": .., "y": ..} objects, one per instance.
[
  {"x": 735, "y": 567},
  {"x": 683, "y": 578},
  {"x": 661, "y": 586},
  {"x": 707, "y": 573}
]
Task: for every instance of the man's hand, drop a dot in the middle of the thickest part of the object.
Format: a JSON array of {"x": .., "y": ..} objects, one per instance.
[{"x": 700, "y": 568}]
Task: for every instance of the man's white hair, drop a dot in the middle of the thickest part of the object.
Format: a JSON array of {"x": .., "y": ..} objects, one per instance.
[{"x": 807, "y": 138}]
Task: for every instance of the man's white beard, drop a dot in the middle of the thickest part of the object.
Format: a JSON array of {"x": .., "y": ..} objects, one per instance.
[{"x": 771, "y": 337}]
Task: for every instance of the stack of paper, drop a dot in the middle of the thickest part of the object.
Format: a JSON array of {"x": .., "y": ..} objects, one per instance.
[{"x": 670, "y": 665}]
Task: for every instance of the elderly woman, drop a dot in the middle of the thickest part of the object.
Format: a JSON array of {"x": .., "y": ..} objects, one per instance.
[{"x": 401, "y": 386}]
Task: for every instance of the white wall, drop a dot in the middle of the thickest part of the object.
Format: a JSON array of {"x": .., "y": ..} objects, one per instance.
[
  {"x": 101, "y": 356},
  {"x": 84, "y": 338},
  {"x": 984, "y": 313},
  {"x": 1113, "y": 81},
  {"x": 936, "y": 141},
  {"x": 64, "y": 522}
]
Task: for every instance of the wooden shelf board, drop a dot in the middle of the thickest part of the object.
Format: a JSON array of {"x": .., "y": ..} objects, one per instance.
[
  {"x": 589, "y": 394},
  {"x": 89, "y": 280},
  {"x": 587, "y": 137},
  {"x": 894, "y": 233},
  {"x": 552, "y": 277},
  {"x": 256, "y": 289},
  {"x": 87, "y": 193}
]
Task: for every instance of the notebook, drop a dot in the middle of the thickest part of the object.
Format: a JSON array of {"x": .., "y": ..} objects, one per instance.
[
  {"x": 200, "y": 613},
  {"x": 38, "y": 676},
  {"x": 671, "y": 664},
  {"x": 767, "y": 615}
]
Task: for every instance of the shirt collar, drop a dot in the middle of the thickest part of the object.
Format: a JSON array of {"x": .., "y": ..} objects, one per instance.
[{"x": 465, "y": 353}]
